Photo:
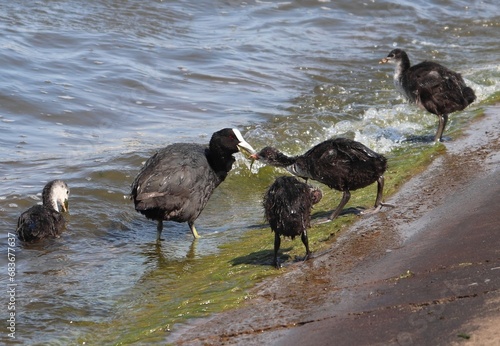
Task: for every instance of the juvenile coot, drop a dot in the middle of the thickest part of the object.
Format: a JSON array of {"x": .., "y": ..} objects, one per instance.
[
  {"x": 341, "y": 164},
  {"x": 431, "y": 86},
  {"x": 176, "y": 182},
  {"x": 287, "y": 207},
  {"x": 45, "y": 221}
]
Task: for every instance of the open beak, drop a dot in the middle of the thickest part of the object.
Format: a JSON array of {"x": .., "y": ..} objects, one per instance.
[
  {"x": 384, "y": 60},
  {"x": 246, "y": 149},
  {"x": 65, "y": 205}
]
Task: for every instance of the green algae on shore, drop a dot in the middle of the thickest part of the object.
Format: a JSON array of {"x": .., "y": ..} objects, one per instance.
[{"x": 176, "y": 291}]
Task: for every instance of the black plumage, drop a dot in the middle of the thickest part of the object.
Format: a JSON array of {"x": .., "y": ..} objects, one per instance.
[
  {"x": 176, "y": 183},
  {"x": 431, "y": 86},
  {"x": 287, "y": 207},
  {"x": 341, "y": 164},
  {"x": 45, "y": 221}
]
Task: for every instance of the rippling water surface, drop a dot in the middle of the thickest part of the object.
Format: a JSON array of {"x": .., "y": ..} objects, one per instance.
[{"x": 90, "y": 89}]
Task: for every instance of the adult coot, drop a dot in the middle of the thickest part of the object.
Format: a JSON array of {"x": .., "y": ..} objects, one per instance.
[
  {"x": 287, "y": 207},
  {"x": 176, "y": 182},
  {"x": 431, "y": 86},
  {"x": 45, "y": 221},
  {"x": 340, "y": 163}
]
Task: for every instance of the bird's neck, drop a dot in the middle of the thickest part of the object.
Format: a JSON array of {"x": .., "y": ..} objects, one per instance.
[
  {"x": 284, "y": 161},
  {"x": 50, "y": 201},
  {"x": 221, "y": 164},
  {"x": 401, "y": 67}
]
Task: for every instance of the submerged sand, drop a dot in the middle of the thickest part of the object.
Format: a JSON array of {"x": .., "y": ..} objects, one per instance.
[{"x": 426, "y": 272}]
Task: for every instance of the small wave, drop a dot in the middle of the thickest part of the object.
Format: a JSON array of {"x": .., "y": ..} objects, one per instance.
[{"x": 66, "y": 97}]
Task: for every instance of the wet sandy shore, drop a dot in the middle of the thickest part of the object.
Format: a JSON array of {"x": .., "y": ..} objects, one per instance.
[{"x": 424, "y": 273}]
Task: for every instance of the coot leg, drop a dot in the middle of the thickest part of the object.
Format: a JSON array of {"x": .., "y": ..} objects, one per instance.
[
  {"x": 378, "y": 200},
  {"x": 193, "y": 229},
  {"x": 380, "y": 191},
  {"x": 159, "y": 228},
  {"x": 443, "y": 119},
  {"x": 345, "y": 198},
  {"x": 277, "y": 243},
  {"x": 304, "y": 239}
]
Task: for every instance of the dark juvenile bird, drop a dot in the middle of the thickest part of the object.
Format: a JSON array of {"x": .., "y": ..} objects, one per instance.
[
  {"x": 341, "y": 164},
  {"x": 287, "y": 207},
  {"x": 431, "y": 86},
  {"x": 45, "y": 221},
  {"x": 176, "y": 183}
]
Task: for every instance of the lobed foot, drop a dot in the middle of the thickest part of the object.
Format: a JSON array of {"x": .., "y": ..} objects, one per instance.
[
  {"x": 307, "y": 256},
  {"x": 322, "y": 221},
  {"x": 376, "y": 209}
]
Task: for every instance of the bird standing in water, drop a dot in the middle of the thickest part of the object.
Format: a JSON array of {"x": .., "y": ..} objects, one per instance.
[
  {"x": 176, "y": 183},
  {"x": 45, "y": 221},
  {"x": 287, "y": 207},
  {"x": 431, "y": 86},
  {"x": 341, "y": 164}
]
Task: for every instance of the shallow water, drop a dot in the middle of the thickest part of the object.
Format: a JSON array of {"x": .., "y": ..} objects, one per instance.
[{"x": 90, "y": 90}]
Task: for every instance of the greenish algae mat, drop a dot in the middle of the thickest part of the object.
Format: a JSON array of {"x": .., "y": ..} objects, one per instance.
[{"x": 218, "y": 282}]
